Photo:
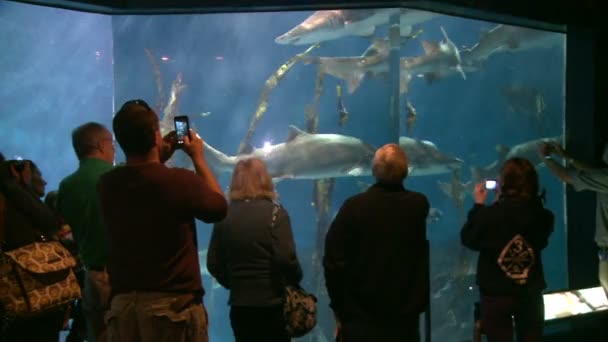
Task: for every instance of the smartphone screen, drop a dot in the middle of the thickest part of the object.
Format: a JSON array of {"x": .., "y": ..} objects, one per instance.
[
  {"x": 182, "y": 128},
  {"x": 490, "y": 184}
]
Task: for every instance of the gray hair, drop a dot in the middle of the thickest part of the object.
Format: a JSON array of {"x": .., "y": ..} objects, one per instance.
[
  {"x": 85, "y": 138},
  {"x": 390, "y": 164}
]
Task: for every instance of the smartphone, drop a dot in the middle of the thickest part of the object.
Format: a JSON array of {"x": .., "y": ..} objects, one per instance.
[
  {"x": 490, "y": 184},
  {"x": 182, "y": 128}
]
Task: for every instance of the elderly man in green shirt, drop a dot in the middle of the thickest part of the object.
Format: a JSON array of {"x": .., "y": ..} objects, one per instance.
[{"x": 78, "y": 204}]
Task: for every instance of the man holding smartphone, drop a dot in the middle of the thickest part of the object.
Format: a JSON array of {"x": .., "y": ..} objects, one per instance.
[{"x": 149, "y": 211}]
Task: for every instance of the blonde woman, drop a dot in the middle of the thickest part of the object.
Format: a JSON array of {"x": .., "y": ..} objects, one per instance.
[{"x": 250, "y": 262}]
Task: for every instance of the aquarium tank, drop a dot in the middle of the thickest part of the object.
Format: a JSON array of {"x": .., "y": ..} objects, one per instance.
[{"x": 459, "y": 95}]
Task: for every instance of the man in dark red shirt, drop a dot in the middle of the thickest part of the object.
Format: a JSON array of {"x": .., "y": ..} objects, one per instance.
[{"x": 149, "y": 211}]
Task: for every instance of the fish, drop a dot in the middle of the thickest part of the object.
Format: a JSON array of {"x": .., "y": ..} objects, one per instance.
[
  {"x": 440, "y": 59},
  {"x": 353, "y": 70},
  {"x": 328, "y": 25},
  {"x": 317, "y": 156},
  {"x": 426, "y": 159},
  {"x": 304, "y": 156},
  {"x": 342, "y": 112},
  {"x": 507, "y": 38},
  {"x": 527, "y": 150}
]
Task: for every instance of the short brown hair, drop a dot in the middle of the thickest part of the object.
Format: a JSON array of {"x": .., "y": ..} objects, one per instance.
[
  {"x": 135, "y": 127},
  {"x": 250, "y": 180},
  {"x": 390, "y": 164}
]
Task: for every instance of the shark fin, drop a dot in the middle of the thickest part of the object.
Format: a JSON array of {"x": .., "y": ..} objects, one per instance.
[
  {"x": 430, "y": 48},
  {"x": 294, "y": 132},
  {"x": 354, "y": 81},
  {"x": 247, "y": 149},
  {"x": 367, "y": 32}
]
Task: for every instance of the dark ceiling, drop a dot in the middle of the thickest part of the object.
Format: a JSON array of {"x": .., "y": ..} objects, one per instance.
[{"x": 523, "y": 12}]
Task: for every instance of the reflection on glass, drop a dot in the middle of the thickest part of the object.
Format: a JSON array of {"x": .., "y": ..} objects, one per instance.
[{"x": 572, "y": 303}]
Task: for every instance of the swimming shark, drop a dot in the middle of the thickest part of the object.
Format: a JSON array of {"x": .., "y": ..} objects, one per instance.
[
  {"x": 426, "y": 159},
  {"x": 317, "y": 156},
  {"x": 304, "y": 156},
  {"x": 527, "y": 150},
  {"x": 440, "y": 60},
  {"x": 373, "y": 62},
  {"x": 503, "y": 38},
  {"x": 334, "y": 24}
]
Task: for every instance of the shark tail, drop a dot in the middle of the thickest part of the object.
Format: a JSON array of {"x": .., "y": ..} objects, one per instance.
[{"x": 217, "y": 160}]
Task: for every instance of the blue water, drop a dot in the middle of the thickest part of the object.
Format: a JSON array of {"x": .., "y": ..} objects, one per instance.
[{"x": 61, "y": 68}]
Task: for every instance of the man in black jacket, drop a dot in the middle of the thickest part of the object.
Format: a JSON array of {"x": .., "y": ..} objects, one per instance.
[{"x": 376, "y": 257}]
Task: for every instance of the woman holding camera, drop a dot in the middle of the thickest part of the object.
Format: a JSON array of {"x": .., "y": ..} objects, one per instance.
[{"x": 510, "y": 235}]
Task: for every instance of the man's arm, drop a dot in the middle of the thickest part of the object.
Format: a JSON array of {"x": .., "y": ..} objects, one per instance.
[{"x": 209, "y": 204}]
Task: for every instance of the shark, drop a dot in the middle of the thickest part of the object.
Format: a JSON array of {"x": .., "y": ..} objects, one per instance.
[
  {"x": 503, "y": 38},
  {"x": 372, "y": 63},
  {"x": 317, "y": 156},
  {"x": 440, "y": 60},
  {"x": 426, "y": 159},
  {"x": 328, "y": 25},
  {"x": 304, "y": 156},
  {"x": 527, "y": 150}
]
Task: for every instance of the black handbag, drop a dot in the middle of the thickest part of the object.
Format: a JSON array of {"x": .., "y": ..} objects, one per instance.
[{"x": 299, "y": 306}]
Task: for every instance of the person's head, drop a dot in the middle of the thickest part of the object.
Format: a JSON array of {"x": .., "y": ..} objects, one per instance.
[
  {"x": 390, "y": 164},
  {"x": 137, "y": 129},
  {"x": 93, "y": 140},
  {"x": 518, "y": 178},
  {"x": 27, "y": 173},
  {"x": 250, "y": 180}
]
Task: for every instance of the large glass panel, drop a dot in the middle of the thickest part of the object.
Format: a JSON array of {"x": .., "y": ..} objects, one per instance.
[
  {"x": 469, "y": 94},
  {"x": 56, "y": 68}
]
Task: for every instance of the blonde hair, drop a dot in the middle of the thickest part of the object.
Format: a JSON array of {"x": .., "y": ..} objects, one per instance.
[
  {"x": 250, "y": 179},
  {"x": 390, "y": 164}
]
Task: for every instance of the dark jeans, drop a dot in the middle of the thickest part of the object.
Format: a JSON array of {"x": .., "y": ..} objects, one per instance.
[
  {"x": 363, "y": 330},
  {"x": 255, "y": 324},
  {"x": 498, "y": 314}
]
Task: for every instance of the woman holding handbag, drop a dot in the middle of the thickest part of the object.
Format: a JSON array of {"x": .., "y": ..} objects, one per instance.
[
  {"x": 250, "y": 261},
  {"x": 23, "y": 220}
]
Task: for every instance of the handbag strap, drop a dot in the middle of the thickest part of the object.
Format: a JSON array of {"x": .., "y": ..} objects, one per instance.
[{"x": 273, "y": 238}]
